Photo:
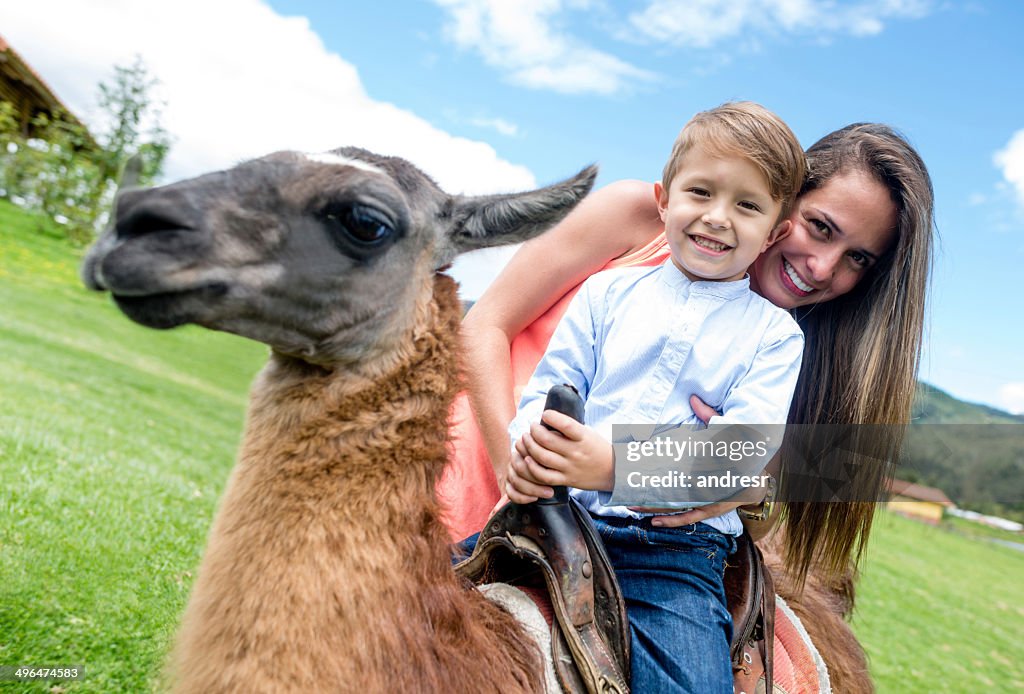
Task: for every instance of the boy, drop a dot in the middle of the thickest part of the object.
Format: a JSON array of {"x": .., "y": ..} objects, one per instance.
[{"x": 637, "y": 342}]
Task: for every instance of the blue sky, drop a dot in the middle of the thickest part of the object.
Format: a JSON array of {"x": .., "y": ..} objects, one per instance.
[{"x": 501, "y": 95}]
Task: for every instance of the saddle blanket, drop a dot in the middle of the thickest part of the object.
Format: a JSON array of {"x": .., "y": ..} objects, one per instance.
[{"x": 799, "y": 668}]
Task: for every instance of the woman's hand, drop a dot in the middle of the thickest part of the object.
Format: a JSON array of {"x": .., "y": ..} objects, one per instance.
[
  {"x": 524, "y": 484},
  {"x": 696, "y": 515},
  {"x": 703, "y": 411}
]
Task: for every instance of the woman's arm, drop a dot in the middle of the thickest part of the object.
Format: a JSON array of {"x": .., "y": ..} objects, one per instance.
[
  {"x": 609, "y": 223},
  {"x": 757, "y": 529}
]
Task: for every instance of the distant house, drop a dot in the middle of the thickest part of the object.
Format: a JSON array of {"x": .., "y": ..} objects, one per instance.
[
  {"x": 918, "y": 501},
  {"x": 22, "y": 86}
]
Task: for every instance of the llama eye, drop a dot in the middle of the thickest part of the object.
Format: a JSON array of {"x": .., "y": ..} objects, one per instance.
[
  {"x": 366, "y": 227},
  {"x": 362, "y": 225}
]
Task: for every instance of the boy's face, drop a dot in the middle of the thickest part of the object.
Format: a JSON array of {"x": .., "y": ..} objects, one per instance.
[{"x": 719, "y": 215}]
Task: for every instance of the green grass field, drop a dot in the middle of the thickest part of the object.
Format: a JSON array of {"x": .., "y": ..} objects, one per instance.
[
  {"x": 116, "y": 441},
  {"x": 940, "y": 612}
]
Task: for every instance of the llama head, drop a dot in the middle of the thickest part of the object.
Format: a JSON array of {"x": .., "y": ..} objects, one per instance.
[{"x": 324, "y": 257}]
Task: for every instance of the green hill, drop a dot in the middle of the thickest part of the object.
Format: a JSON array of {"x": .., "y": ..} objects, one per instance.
[
  {"x": 974, "y": 453},
  {"x": 934, "y": 406}
]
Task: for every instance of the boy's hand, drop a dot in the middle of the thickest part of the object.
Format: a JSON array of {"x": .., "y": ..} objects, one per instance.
[
  {"x": 573, "y": 455},
  {"x": 522, "y": 482}
]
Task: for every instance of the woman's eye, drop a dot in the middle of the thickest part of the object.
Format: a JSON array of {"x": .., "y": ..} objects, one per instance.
[
  {"x": 821, "y": 227},
  {"x": 859, "y": 259}
]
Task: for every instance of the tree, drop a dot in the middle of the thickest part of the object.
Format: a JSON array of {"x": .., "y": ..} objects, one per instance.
[
  {"x": 130, "y": 108},
  {"x": 67, "y": 175}
]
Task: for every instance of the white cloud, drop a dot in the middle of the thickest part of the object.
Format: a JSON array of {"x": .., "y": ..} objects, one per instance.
[
  {"x": 704, "y": 23},
  {"x": 239, "y": 81},
  {"x": 500, "y": 125},
  {"x": 1011, "y": 397},
  {"x": 1011, "y": 160},
  {"x": 521, "y": 39}
]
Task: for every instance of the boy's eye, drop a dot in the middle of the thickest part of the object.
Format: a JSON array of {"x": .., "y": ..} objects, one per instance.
[
  {"x": 698, "y": 191},
  {"x": 747, "y": 205}
]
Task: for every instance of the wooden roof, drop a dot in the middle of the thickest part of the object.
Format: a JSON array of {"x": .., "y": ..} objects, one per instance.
[
  {"x": 919, "y": 492},
  {"x": 26, "y": 89}
]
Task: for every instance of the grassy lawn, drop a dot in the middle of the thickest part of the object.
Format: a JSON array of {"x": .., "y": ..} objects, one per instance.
[
  {"x": 116, "y": 441},
  {"x": 940, "y": 612}
]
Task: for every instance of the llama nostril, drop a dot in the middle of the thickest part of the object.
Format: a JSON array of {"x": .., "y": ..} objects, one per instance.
[
  {"x": 143, "y": 212},
  {"x": 142, "y": 222}
]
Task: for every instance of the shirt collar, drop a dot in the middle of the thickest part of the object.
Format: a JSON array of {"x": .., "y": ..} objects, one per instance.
[{"x": 674, "y": 277}]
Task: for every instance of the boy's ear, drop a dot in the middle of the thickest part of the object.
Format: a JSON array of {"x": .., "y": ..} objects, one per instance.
[
  {"x": 661, "y": 197},
  {"x": 780, "y": 232}
]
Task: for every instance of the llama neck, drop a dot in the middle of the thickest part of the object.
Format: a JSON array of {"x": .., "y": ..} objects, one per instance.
[
  {"x": 356, "y": 446},
  {"x": 337, "y": 472},
  {"x": 328, "y": 567}
]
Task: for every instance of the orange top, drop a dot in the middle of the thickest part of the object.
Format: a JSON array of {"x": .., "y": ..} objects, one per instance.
[{"x": 468, "y": 489}]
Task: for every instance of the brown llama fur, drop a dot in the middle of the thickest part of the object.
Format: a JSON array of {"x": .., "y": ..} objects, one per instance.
[
  {"x": 823, "y": 606},
  {"x": 297, "y": 573}
]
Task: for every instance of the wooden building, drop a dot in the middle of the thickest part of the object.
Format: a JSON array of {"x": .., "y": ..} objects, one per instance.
[
  {"x": 918, "y": 501},
  {"x": 22, "y": 86}
]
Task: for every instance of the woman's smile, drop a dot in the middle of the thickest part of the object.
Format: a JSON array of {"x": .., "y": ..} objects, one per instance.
[{"x": 792, "y": 280}]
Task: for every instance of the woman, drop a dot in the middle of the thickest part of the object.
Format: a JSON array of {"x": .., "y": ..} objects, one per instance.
[{"x": 853, "y": 269}]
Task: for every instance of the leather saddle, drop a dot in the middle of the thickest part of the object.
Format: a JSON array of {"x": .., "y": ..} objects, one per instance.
[{"x": 554, "y": 547}]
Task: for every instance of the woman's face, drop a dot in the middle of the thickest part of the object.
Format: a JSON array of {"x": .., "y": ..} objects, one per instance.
[{"x": 838, "y": 232}]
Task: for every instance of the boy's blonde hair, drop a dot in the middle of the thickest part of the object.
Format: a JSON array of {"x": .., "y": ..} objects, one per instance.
[{"x": 748, "y": 130}]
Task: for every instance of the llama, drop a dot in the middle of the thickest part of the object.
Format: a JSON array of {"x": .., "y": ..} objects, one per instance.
[{"x": 327, "y": 566}]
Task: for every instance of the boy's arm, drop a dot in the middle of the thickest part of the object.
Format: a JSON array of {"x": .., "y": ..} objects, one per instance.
[
  {"x": 765, "y": 392},
  {"x": 569, "y": 358},
  {"x": 762, "y": 396}
]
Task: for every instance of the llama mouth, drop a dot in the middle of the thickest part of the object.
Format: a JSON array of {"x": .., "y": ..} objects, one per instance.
[
  {"x": 709, "y": 245},
  {"x": 795, "y": 283},
  {"x": 163, "y": 310}
]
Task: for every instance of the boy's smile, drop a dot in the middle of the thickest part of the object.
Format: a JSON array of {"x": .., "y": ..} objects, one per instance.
[
  {"x": 709, "y": 245},
  {"x": 719, "y": 215}
]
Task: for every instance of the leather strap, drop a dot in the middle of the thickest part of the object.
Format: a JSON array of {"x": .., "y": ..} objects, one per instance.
[{"x": 750, "y": 594}]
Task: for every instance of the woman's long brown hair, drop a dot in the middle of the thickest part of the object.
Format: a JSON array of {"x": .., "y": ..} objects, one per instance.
[{"x": 862, "y": 349}]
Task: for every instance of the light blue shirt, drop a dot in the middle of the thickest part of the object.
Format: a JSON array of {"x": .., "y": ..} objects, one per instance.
[{"x": 638, "y": 342}]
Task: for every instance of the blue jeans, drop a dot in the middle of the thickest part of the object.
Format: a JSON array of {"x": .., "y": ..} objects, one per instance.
[{"x": 679, "y": 625}]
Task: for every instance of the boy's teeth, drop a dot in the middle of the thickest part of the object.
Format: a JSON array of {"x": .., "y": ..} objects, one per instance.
[
  {"x": 800, "y": 284},
  {"x": 709, "y": 244}
]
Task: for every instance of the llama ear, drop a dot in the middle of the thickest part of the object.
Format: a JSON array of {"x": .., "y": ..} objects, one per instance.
[{"x": 498, "y": 220}]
